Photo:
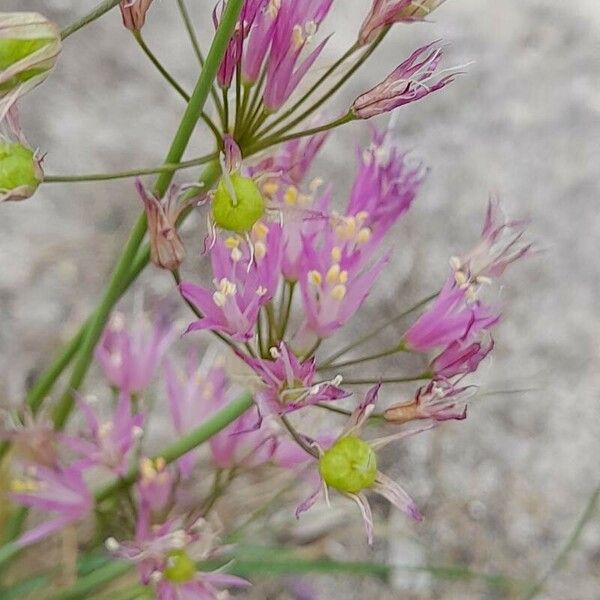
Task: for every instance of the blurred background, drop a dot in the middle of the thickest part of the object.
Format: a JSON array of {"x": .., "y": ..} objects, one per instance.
[{"x": 502, "y": 490}]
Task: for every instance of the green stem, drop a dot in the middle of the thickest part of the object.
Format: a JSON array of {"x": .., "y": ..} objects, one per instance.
[
  {"x": 166, "y": 168},
  {"x": 180, "y": 141},
  {"x": 571, "y": 542},
  {"x": 373, "y": 380},
  {"x": 329, "y": 360},
  {"x": 346, "y": 413},
  {"x": 362, "y": 359},
  {"x": 188, "y": 442},
  {"x": 278, "y": 139},
  {"x": 100, "y": 10},
  {"x": 197, "y": 50},
  {"x": 298, "y": 437},
  {"x": 286, "y": 311}
]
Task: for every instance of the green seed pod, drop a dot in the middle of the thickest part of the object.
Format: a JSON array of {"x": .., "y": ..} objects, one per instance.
[
  {"x": 29, "y": 48},
  {"x": 180, "y": 567},
  {"x": 237, "y": 204},
  {"x": 350, "y": 465},
  {"x": 20, "y": 172}
]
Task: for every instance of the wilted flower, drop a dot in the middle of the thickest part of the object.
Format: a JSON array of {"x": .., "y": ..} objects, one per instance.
[
  {"x": 411, "y": 81},
  {"x": 60, "y": 491},
  {"x": 349, "y": 465},
  {"x": 439, "y": 400},
  {"x": 166, "y": 557},
  {"x": 386, "y": 12},
  {"x": 129, "y": 357},
  {"x": 166, "y": 248},
  {"x": 134, "y": 13},
  {"x": 20, "y": 167},
  {"x": 461, "y": 358},
  {"x": 29, "y": 48}
]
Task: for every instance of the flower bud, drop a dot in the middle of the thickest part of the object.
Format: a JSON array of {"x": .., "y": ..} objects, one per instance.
[
  {"x": 350, "y": 465},
  {"x": 237, "y": 204},
  {"x": 20, "y": 171},
  {"x": 134, "y": 13},
  {"x": 29, "y": 47}
]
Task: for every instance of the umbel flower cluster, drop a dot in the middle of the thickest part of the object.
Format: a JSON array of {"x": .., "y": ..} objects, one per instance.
[{"x": 292, "y": 262}]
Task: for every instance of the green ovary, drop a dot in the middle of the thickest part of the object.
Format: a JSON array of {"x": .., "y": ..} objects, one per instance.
[
  {"x": 17, "y": 166},
  {"x": 237, "y": 214},
  {"x": 180, "y": 568},
  {"x": 14, "y": 50},
  {"x": 350, "y": 465}
]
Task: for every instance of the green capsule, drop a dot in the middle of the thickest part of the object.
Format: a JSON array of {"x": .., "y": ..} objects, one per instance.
[
  {"x": 238, "y": 211},
  {"x": 180, "y": 567},
  {"x": 350, "y": 465},
  {"x": 20, "y": 173}
]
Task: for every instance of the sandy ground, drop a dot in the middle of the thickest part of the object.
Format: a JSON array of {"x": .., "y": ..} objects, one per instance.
[{"x": 502, "y": 490}]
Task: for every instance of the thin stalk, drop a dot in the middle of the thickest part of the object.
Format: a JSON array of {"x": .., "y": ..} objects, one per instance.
[
  {"x": 362, "y": 359},
  {"x": 178, "y": 146},
  {"x": 183, "y": 445},
  {"x": 298, "y": 437},
  {"x": 334, "y": 89},
  {"x": 100, "y": 10},
  {"x": 198, "y": 51},
  {"x": 166, "y": 168},
  {"x": 278, "y": 139},
  {"x": 269, "y": 311},
  {"x": 312, "y": 349},
  {"x": 173, "y": 83},
  {"x": 376, "y": 331},
  {"x": 330, "y": 71},
  {"x": 286, "y": 311},
  {"x": 225, "y": 96},
  {"x": 346, "y": 413},
  {"x": 374, "y": 380},
  {"x": 571, "y": 542}
]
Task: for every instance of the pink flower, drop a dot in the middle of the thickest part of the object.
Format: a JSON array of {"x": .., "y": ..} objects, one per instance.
[
  {"x": 129, "y": 358},
  {"x": 60, "y": 492},
  {"x": 288, "y": 384},
  {"x": 453, "y": 316},
  {"x": 411, "y": 81},
  {"x": 349, "y": 465},
  {"x": 156, "y": 486},
  {"x": 134, "y": 13},
  {"x": 500, "y": 245},
  {"x": 107, "y": 443},
  {"x": 461, "y": 358},
  {"x": 386, "y": 12},
  {"x": 440, "y": 400},
  {"x": 166, "y": 557}
]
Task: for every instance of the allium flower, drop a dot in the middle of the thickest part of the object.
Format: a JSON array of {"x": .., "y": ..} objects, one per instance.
[
  {"x": 20, "y": 167},
  {"x": 129, "y": 358},
  {"x": 349, "y": 465},
  {"x": 453, "y": 316},
  {"x": 500, "y": 245},
  {"x": 461, "y": 358},
  {"x": 61, "y": 492},
  {"x": 242, "y": 286},
  {"x": 386, "y": 12},
  {"x": 166, "y": 557},
  {"x": 412, "y": 80},
  {"x": 439, "y": 400},
  {"x": 107, "y": 443},
  {"x": 166, "y": 248},
  {"x": 155, "y": 487},
  {"x": 134, "y": 13},
  {"x": 29, "y": 48},
  {"x": 288, "y": 384}
]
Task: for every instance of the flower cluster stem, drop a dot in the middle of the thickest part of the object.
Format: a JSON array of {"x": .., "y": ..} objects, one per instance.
[{"x": 96, "y": 13}]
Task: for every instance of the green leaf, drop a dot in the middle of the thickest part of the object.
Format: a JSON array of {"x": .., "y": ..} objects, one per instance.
[{"x": 21, "y": 589}]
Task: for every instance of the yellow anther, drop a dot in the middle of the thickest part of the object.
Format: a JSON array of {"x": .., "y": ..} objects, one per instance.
[
  {"x": 343, "y": 278},
  {"x": 160, "y": 463},
  {"x": 315, "y": 277},
  {"x": 338, "y": 292},
  {"x": 364, "y": 235},
  {"x": 291, "y": 195},
  {"x": 336, "y": 254},
  {"x": 260, "y": 250},
  {"x": 333, "y": 275},
  {"x": 260, "y": 230},
  {"x": 24, "y": 486},
  {"x": 298, "y": 37},
  {"x": 232, "y": 242},
  {"x": 460, "y": 278},
  {"x": 147, "y": 469},
  {"x": 270, "y": 188}
]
